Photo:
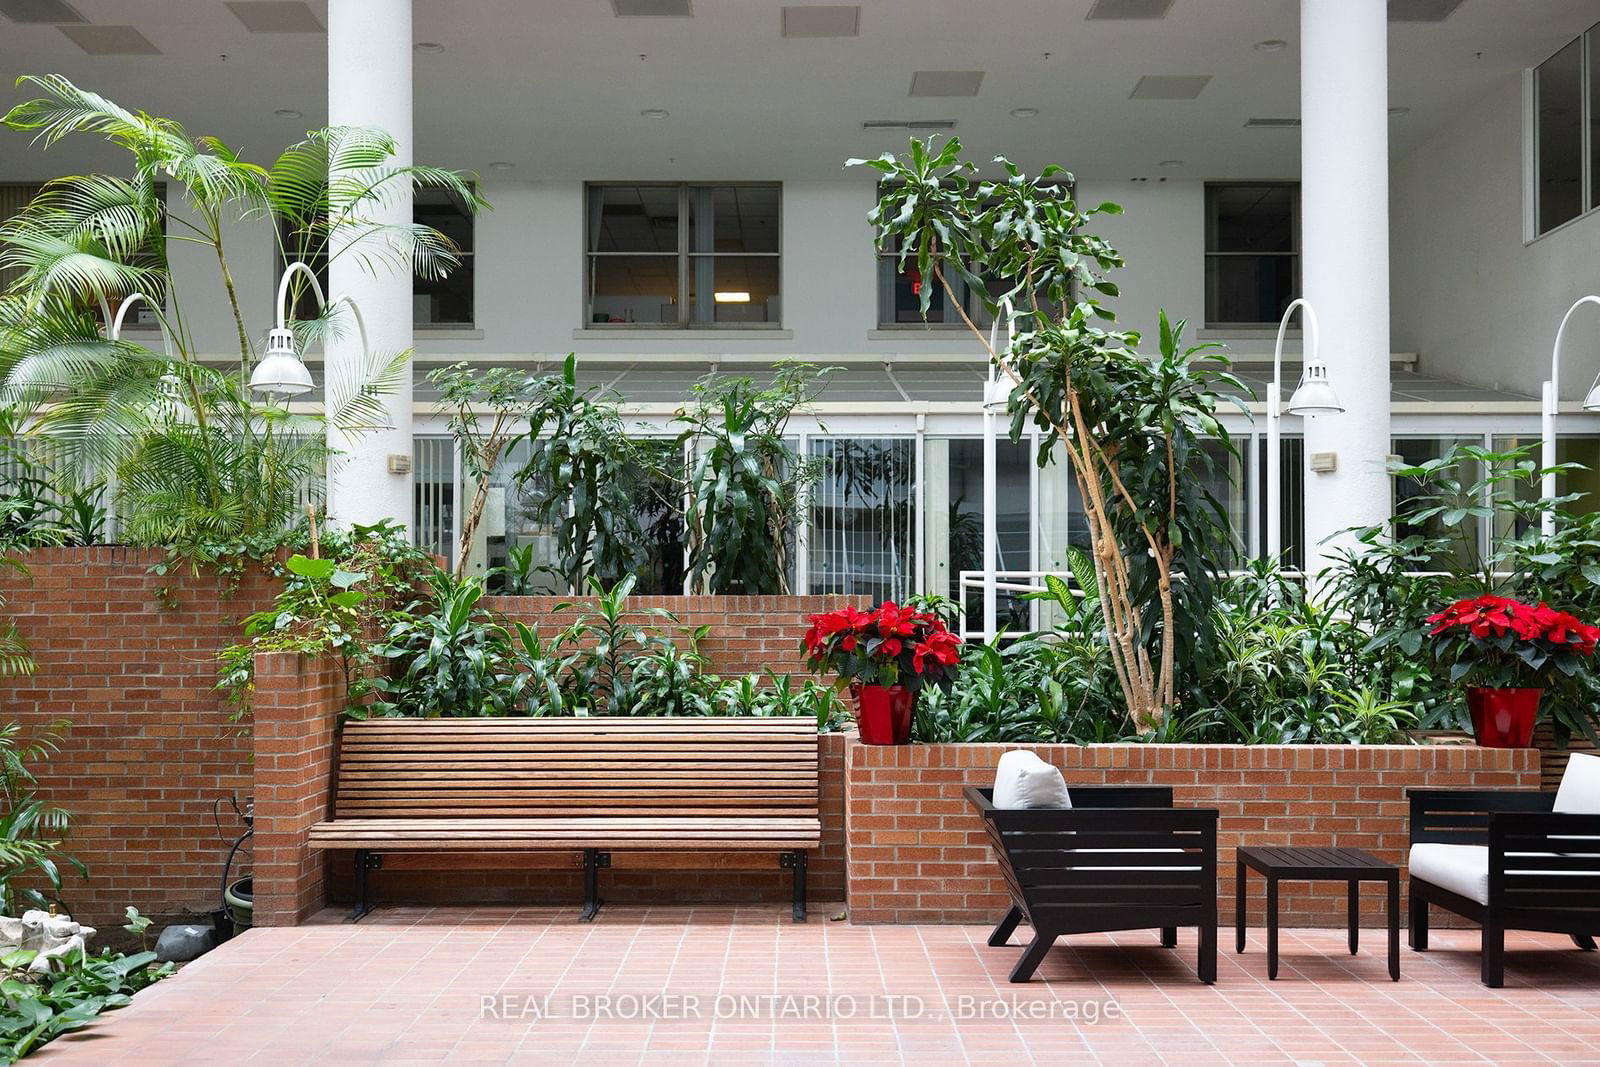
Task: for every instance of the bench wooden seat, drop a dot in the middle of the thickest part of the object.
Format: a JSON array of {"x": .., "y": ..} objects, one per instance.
[{"x": 591, "y": 785}]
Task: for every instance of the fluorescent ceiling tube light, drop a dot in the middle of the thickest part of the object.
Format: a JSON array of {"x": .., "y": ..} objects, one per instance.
[{"x": 731, "y": 297}]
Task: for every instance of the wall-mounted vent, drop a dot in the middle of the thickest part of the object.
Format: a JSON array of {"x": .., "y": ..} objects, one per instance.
[
  {"x": 1422, "y": 10},
  {"x": 909, "y": 124},
  {"x": 1271, "y": 124},
  {"x": 1170, "y": 86},
  {"x": 946, "y": 82},
  {"x": 39, "y": 11},
  {"x": 822, "y": 20},
  {"x": 1125, "y": 10},
  {"x": 651, "y": 9},
  {"x": 276, "y": 16},
  {"x": 111, "y": 40}
]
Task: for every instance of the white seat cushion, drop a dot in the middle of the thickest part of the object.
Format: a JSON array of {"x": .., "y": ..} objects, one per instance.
[
  {"x": 1023, "y": 780},
  {"x": 1579, "y": 793},
  {"x": 1462, "y": 869}
]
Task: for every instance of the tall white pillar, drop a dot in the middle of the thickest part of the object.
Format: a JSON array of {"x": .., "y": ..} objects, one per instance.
[
  {"x": 1344, "y": 175},
  {"x": 369, "y": 84}
]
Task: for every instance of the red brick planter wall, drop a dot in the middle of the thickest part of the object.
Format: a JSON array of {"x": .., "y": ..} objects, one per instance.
[
  {"x": 297, "y": 708},
  {"x": 917, "y": 852},
  {"x": 129, "y": 657}
]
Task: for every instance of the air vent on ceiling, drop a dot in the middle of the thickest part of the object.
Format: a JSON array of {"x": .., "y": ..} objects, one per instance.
[
  {"x": 40, "y": 11},
  {"x": 1271, "y": 124},
  {"x": 646, "y": 9},
  {"x": 946, "y": 82},
  {"x": 111, "y": 40},
  {"x": 1169, "y": 86},
  {"x": 822, "y": 20},
  {"x": 1122, "y": 10},
  {"x": 1422, "y": 10},
  {"x": 909, "y": 124},
  {"x": 276, "y": 16}
]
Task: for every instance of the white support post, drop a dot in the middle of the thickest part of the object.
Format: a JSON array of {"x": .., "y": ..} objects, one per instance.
[
  {"x": 369, "y": 84},
  {"x": 1345, "y": 224}
]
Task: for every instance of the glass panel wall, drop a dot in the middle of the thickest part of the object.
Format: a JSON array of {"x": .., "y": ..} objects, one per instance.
[
  {"x": 954, "y": 535},
  {"x": 862, "y": 528}
]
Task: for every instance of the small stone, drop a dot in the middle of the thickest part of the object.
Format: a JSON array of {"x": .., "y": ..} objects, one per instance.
[{"x": 179, "y": 944}]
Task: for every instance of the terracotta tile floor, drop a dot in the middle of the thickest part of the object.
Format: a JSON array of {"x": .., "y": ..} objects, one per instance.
[{"x": 525, "y": 985}]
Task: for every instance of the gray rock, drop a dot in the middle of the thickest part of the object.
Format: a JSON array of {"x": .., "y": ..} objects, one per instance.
[{"x": 185, "y": 942}]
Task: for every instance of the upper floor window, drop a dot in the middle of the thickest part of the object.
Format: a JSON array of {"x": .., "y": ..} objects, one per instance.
[
  {"x": 900, "y": 295},
  {"x": 683, "y": 255},
  {"x": 447, "y": 301},
  {"x": 1566, "y": 101},
  {"x": 1252, "y": 252}
]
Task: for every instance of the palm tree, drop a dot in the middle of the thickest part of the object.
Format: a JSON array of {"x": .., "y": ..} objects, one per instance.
[{"x": 200, "y": 462}]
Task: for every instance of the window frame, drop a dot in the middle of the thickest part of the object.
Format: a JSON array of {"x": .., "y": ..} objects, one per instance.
[
  {"x": 684, "y": 257},
  {"x": 1588, "y": 43},
  {"x": 1296, "y": 254}
]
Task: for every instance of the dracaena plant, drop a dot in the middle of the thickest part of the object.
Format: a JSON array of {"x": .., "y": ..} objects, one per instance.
[
  {"x": 1130, "y": 426},
  {"x": 200, "y": 461}
]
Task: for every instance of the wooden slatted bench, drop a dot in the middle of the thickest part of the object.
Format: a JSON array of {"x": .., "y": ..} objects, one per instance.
[{"x": 596, "y": 785}]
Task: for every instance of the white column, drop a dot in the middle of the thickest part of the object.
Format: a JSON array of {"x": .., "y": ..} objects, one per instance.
[
  {"x": 369, "y": 84},
  {"x": 1344, "y": 175}
]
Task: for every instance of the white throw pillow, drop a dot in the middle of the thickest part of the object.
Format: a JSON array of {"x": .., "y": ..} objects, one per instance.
[
  {"x": 1579, "y": 793},
  {"x": 1023, "y": 780}
]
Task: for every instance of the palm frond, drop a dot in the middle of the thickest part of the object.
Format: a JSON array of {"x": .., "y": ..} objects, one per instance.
[{"x": 355, "y": 393}]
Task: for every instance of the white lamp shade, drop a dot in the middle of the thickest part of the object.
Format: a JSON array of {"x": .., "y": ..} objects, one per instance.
[
  {"x": 1315, "y": 395},
  {"x": 280, "y": 372},
  {"x": 1592, "y": 401}
]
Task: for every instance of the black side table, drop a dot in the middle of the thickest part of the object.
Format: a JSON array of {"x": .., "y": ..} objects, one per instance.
[{"x": 1317, "y": 865}]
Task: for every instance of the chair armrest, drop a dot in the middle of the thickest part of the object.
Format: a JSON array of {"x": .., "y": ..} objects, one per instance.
[{"x": 1461, "y": 816}]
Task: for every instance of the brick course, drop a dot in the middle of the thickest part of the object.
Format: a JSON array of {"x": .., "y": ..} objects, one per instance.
[{"x": 918, "y": 853}]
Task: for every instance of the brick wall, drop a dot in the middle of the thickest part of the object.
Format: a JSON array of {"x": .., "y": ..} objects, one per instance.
[
  {"x": 638, "y": 878},
  {"x": 748, "y": 634},
  {"x": 297, "y": 706},
  {"x": 918, "y": 853},
  {"x": 129, "y": 657}
]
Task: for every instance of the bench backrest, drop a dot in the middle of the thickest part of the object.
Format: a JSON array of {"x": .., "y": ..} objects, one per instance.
[{"x": 567, "y": 767}]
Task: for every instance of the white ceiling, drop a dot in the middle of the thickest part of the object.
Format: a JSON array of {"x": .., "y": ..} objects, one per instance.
[{"x": 557, "y": 87}]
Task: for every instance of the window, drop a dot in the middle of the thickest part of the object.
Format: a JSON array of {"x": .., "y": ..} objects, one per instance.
[
  {"x": 14, "y": 196},
  {"x": 1252, "y": 253},
  {"x": 900, "y": 299},
  {"x": 1559, "y": 101},
  {"x": 445, "y": 301},
  {"x": 699, "y": 256},
  {"x": 435, "y": 301},
  {"x": 863, "y": 517}
]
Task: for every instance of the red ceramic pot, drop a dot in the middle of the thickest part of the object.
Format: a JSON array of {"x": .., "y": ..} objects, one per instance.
[
  {"x": 883, "y": 713},
  {"x": 1503, "y": 718}
]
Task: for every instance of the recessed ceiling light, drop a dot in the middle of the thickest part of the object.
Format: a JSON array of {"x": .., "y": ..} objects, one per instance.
[
  {"x": 501, "y": 165},
  {"x": 1170, "y": 163},
  {"x": 654, "y": 113},
  {"x": 1402, "y": 110},
  {"x": 429, "y": 48},
  {"x": 1024, "y": 112},
  {"x": 287, "y": 113}
]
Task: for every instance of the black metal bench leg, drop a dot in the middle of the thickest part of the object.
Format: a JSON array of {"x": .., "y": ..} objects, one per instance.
[
  {"x": 365, "y": 862},
  {"x": 1006, "y": 926},
  {"x": 796, "y": 861},
  {"x": 1417, "y": 928},
  {"x": 1238, "y": 905},
  {"x": 1583, "y": 941},
  {"x": 1494, "y": 955},
  {"x": 1355, "y": 916},
  {"x": 593, "y": 860},
  {"x": 1169, "y": 937},
  {"x": 1272, "y": 927},
  {"x": 1032, "y": 956},
  {"x": 1394, "y": 926}
]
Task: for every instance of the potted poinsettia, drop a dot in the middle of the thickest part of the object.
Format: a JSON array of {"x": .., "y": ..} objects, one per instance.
[
  {"x": 1505, "y": 649},
  {"x": 885, "y": 656}
]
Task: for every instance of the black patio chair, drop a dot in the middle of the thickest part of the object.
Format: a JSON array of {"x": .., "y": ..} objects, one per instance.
[{"x": 1121, "y": 858}]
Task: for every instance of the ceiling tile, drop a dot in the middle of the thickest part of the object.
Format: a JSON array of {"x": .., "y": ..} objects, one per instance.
[
  {"x": 822, "y": 20},
  {"x": 276, "y": 16},
  {"x": 111, "y": 40},
  {"x": 946, "y": 82},
  {"x": 1170, "y": 86}
]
